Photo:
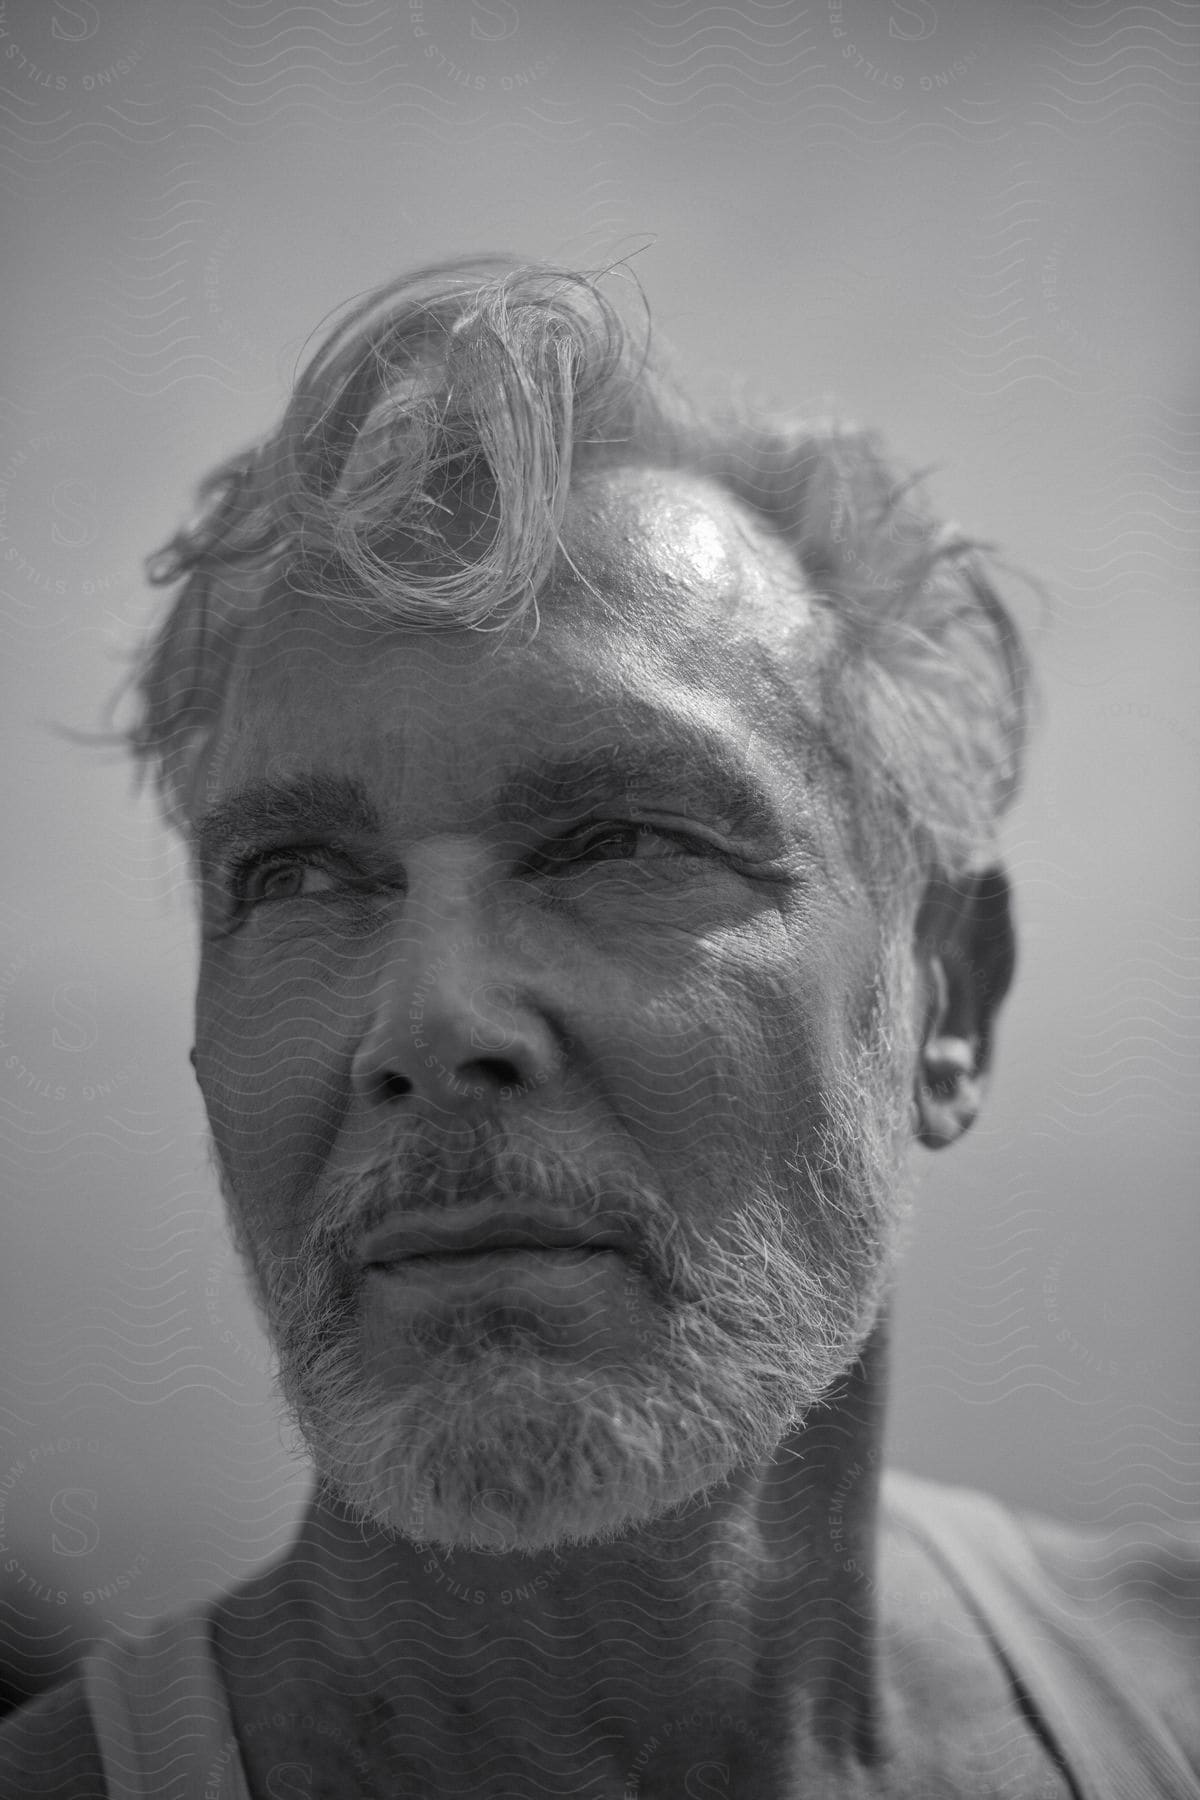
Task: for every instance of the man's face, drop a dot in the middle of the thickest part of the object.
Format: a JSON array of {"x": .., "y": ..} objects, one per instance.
[{"x": 505, "y": 944}]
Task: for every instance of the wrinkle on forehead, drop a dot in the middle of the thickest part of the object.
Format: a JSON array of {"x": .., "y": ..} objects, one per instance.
[{"x": 667, "y": 583}]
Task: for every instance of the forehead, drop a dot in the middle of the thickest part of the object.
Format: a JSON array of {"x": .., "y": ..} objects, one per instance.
[{"x": 670, "y": 601}]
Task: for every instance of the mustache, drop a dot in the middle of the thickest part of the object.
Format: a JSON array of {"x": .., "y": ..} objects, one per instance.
[{"x": 429, "y": 1173}]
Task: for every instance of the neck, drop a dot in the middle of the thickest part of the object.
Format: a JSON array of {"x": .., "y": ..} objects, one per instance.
[{"x": 748, "y": 1614}]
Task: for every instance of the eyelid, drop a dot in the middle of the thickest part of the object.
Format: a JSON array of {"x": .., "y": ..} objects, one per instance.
[
  {"x": 630, "y": 824},
  {"x": 680, "y": 836},
  {"x": 243, "y": 865}
]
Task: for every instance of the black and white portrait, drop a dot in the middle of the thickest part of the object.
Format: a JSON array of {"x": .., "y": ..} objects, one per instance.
[{"x": 598, "y": 986}]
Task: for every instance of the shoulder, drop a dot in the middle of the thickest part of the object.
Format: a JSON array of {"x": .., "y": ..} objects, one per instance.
[
  {"x": 1138, "y": 1589},
  {"x": 1121, "y": 1608},
  {"x": 955, "y": 1721},
  {"x": 1146, "y": 1573},
  {"x": 48, "y": 1749}
]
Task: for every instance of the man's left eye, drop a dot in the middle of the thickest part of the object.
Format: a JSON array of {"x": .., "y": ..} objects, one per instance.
[
  {"x": 285, "y": 875},
  {"x": 627, "y": 840}
]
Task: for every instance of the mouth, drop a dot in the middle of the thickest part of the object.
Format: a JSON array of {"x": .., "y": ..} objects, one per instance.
[
  {"x": 568, "y": 1290},
  {"x": 576, "y": 1302},
  {"x": 495, "y": 1255},
  {"x": 479, "y": 1234}
]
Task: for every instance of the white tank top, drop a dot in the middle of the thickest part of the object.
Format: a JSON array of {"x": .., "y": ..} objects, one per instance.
[
  {"x": 160, "y": 1714},
  {"x": 162, "y": 1721}
]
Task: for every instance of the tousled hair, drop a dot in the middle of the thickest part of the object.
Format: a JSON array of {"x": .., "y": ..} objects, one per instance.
[{"x": 420, "y": 474}]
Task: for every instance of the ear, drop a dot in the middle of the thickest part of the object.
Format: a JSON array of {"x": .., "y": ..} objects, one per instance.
[{"x": 966, "y": 953}]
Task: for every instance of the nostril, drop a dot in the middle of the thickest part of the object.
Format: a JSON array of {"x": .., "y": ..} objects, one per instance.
[
  {"x": 445, "y": 1083},
  {"x": 494, "y": 1068}
]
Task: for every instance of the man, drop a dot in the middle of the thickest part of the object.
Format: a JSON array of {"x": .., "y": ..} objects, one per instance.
[{"x": 593, "y": 807}]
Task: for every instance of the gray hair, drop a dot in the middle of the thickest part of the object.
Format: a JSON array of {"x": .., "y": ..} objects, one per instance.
[{"x": 478, "y": 391}]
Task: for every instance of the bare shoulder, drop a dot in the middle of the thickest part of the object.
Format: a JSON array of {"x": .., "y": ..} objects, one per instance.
[
  {"x": 1139, "y": 1587},
  {"x": 48, "y": 1750}
]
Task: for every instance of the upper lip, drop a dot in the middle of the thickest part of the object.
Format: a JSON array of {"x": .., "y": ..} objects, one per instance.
[{"x": 485, "y": 1228}]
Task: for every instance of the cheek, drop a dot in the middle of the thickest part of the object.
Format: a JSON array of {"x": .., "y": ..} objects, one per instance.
[
  {"x": 714, "y": 1053},
  {"x": 275, "y": 1040}
]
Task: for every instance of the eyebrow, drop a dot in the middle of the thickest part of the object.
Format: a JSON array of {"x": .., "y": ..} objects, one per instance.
[
  {"x": 698, "y": 772},
  {"x": 314, "y": 801}
]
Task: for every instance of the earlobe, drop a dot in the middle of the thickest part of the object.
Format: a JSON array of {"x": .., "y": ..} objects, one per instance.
[
  {"x": 949, "y": 1090},
  {"x": 966, "y": 951}
]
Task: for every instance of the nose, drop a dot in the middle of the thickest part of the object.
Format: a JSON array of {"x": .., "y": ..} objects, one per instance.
[{"x": 454, "y": 1023}]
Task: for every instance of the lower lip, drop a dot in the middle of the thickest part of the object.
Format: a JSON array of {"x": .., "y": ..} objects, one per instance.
[
  {"x": 484, "y": 1265},
  {"x": 577, "y": 1300}
]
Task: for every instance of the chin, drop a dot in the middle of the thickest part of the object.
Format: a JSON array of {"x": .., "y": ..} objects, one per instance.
[
  {"x": 519, "y": 1462},
  {"x": 515, "y": 1472},
  {"x": 513, "y": 1448}
]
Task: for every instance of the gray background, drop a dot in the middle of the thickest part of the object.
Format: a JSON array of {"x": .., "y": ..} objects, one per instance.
[{"x": 969, "y": 225}]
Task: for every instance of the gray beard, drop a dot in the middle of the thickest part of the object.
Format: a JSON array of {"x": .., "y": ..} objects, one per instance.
[{"x": 503, "y": 1443}]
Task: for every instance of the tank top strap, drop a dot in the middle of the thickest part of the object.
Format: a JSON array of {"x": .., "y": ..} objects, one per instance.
[
  {"x": 1109, "y": 1740},
  {"x": 160, "y": 1713}
]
